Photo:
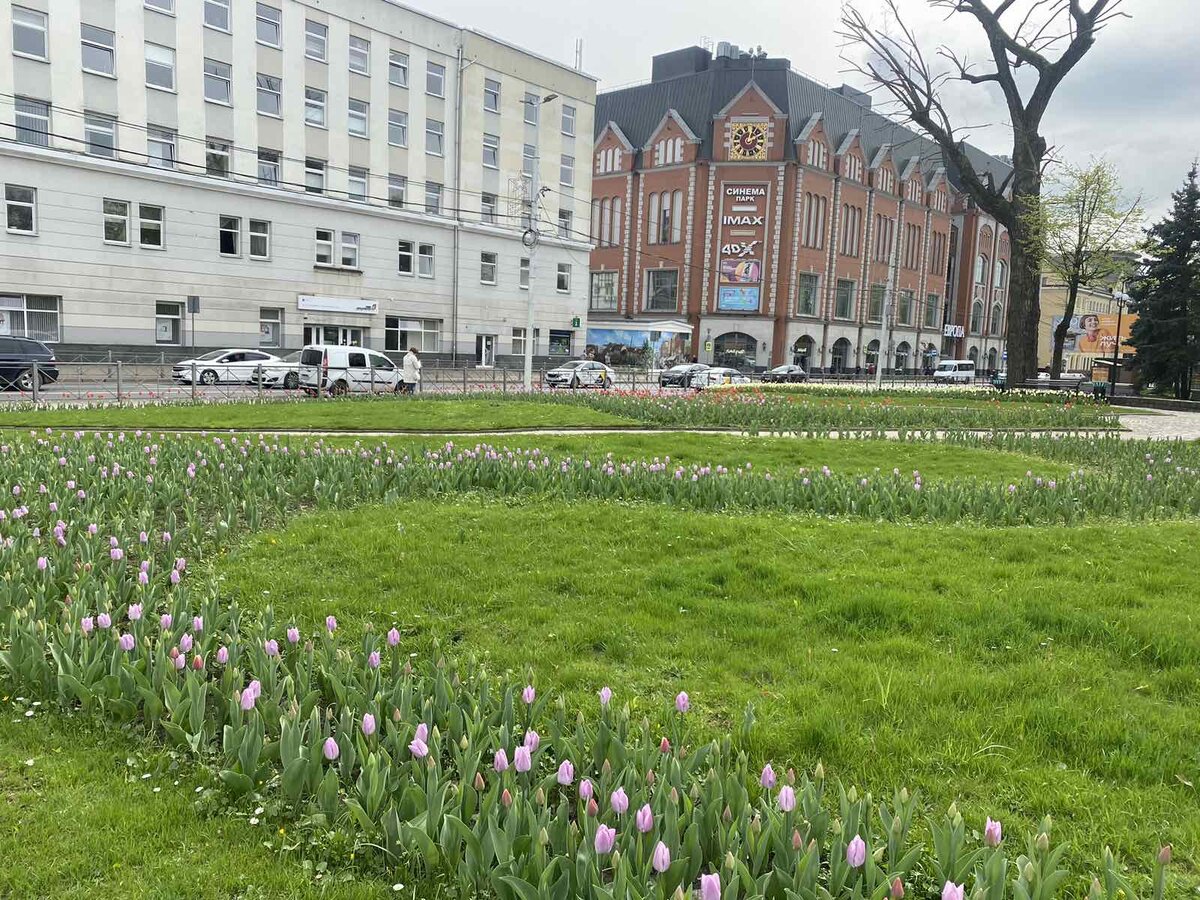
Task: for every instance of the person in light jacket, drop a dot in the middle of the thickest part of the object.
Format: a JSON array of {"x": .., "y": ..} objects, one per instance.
[{"x": 412, "y": 370}]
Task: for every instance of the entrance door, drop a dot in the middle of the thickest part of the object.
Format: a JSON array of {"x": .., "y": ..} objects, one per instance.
[
  {"x": 485, "y": 350},
  {"x": 334, "y": 335}
]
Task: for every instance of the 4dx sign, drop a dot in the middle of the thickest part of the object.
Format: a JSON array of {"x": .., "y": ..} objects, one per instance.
[{"x": 739, "y": 250}]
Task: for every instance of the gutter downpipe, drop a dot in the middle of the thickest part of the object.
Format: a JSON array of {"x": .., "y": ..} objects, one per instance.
[{"x": 458, "y": 207}]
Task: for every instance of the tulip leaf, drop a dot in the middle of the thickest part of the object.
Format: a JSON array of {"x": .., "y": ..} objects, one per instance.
[{"x": 523, "y": 889}]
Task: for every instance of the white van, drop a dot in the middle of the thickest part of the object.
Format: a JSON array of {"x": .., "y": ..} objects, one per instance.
[
  {"x": 954, "y": 371},
  {"x": 339, "y": 370}
]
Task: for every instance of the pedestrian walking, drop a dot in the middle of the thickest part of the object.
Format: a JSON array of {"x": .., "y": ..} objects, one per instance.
[{"x": 412, "y": 370}]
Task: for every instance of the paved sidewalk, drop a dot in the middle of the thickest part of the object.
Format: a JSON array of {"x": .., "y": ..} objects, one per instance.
[{"x": 1162, "y": 425}]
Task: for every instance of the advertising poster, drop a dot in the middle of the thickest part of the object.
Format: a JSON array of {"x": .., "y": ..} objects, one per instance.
[
  {"x": 638, "y": 347},
  {"x": 741, "y": 271},
  {"x": 1096, "y": 333},
  {"x": 738, "y": 299}
]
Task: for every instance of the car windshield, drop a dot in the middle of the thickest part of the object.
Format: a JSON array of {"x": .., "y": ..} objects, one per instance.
[
  {"x": 946, "y": 367},
  {"x": 782, "y": 369},
  {"x": 294, "y": 356},
  {"x": 215, "y": 354}
]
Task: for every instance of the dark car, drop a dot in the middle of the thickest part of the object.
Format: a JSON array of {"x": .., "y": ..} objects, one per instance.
[
  {"x": 785, "y": 374},
  {"x": 681, "y": 375},
  {"x": 18, "y": 357}
]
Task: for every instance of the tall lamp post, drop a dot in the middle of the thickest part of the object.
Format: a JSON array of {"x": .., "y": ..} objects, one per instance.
[
  {"x": 530, "y": 239},
  {"x": 1122, "y": 300}
]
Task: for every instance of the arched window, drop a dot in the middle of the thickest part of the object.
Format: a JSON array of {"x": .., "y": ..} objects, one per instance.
[
  {"x": 735, "y": 350},
  {"x": 997, "y": 318},
  {"x": 652, "y": 237},
  {"x": 991, "y": 358},
  {"x": 802, "y": 352},
  {"x": 614, "y": 236},
  {"x": 973, "y": 355},
  {"x": 605, "y": 221},
  {"x": 1001, "y": 275},
  {"x": 676, "y": 217},
  {"x": 977, "y": 317},
  {"x": 872, "y": 354},
  {"x": 903, "y": 352},
  {"x": 981, "y": 267},
  {"x": 840, "y": 358}
]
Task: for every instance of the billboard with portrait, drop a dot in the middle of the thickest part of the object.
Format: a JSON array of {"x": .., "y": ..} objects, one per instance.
[
  {"x": 741, "y": 271},
  {"x": 1096, "y": 333}
]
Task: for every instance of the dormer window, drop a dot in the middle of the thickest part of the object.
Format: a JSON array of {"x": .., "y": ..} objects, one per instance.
[
  {"x": 668, "y": 152},
  {"x": 885, "y": 181},
  {"x": 818, "y": 154},
  {"x": 913, "y": 191},
  {"x": 608, "y": 161},
  {"x": 852, "y": 168}
]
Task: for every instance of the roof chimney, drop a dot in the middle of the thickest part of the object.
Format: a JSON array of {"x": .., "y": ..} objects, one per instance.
[{"x": 852, "y": 93}]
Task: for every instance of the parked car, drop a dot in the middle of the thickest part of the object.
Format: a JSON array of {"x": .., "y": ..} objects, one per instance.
[
  {"x": 790, "y": 374},
  {"x": 581, "y": 373},
  {"x": 954, "y": 371},
  {"x": 681, "y": 375},
  {"x": 18, "y": 357},
  {"x": 232, "y": 366},
  {"x": 719, "y": 375},
  {"x": 284, "y": 374},
  {"x": 339, "y": 370}
]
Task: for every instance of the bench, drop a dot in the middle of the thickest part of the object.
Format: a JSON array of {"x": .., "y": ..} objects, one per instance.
[{"x": 1074, "y": 385}]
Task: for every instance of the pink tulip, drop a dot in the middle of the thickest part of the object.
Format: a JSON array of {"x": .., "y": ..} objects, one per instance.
[
  {"x": 682, "y": 703},
  {"x": 393, "y": 637},
  {"x": 174, "y": 576},
  {"x": 247, "y": 700},
  {"x": 197, "y": 662},
  {"x": 293, "y": 635},
  {"x": 164, "y": 621},
  {"x": 710, "y": 887},
  {"x": 528, "y": 694},
  {"x": 270, "y": 647},
  {"x": 522, "y": 761},
  {"x": 664, "y": 746},
  {"x": 330, "y": 624},
  {"x": 197, "y": 624},
  {"x": 787, "y": 798},
  {"x": 566, "y": 773},
  {"x": 126, "y": 641},
  {"x": 856, "y": 852},
  {"x": 532, "y": 741},
  {"x": 135, "y": 612},
  {"x": 606, "y": 838},
  {"x": 993, "y": 834},
  {"x": 185, "y": 642},
  {"x": 644, "y": 819},
  {"x": 223, "y": 655},
  {"x": 373, "y": 659},
  {"x": 86, "y": 624},
  {"x": 605, "y": 696},
  {"x": 593, "y": 809},
  {"x": 104, "y": 620},
  {"x": 368, "y": 724},
  {"x": 180, "y": 662},
  {"x": 661, "y": 858},
  {"x": 952, "y": 891},
  {"x": 500, "y": 760},
  {"x": 42, "y": 562},
  {"x": 767, "y": 779},
  {"x": 331, "y": 749},
  {"x": 585, "y": 789},
  {"x": 423, "y": 732},
  {"x": 506, "y": 798},
  {"x": 619, "y": 802},
  {"x": 418, "y": 748}
]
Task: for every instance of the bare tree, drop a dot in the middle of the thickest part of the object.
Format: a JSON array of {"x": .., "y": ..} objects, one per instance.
[
  {"x": 1045, "y": 38},
  {"x": 1085, "y": 233}
]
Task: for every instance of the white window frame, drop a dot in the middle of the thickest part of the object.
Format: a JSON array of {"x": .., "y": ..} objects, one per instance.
[
  {"x": 651, "y": 274},
  {"x": 217, "y": 6},
  {"x": 426, "y": 260},
  {"x": 264, "y": 158},
  {"x": 99, "y": 123},
  {"x": 491, "y": 151},
  {"x": 397, "y": 190},
  {"x": 259, "y": 231},
  {"x": 115, "y": 217},
  {"x": 563, "y": 275},
  {"x": 32, "y": 20},
  {"x": 314, "y": 167},
  {"x": 489, "y": 208},
  {"x": 435, "y": 77},
  {"x": 33, "y": 120},
  {"x": 609, "y": 278},
  {"x": 568, "y": 120},
  {"x": 275, "y": 22},
  {"x": 166, "y": 53},
  {"x": 529, "y": 159},
  {"x": 96, "y": 43},
  {"x": 406, "y": 252},
  {"x": 435, "y": 191},
  {"x": 489, "y": 267},
  {"x": 324, "y": 244},
  {"x": 398, "y": 63},
  {"x": 358, "y": 111},
  {"x": 358, "y": 176},
  {"x": 175, "y": 315},
  {"x": 437, "y": 133},
  {"x": 145, "y": 220},
  {"x": 491, "y": 95},
  {"x": 566, "y": 171},
  {"x": 398, "y": 127},
  {"x": 218, "y": 148},
  {"x": 261, "y": 90},
  {"x": 229, "y": 225},
  {"x": 167, "y": 7},
  {"x": 316, "y": 35},
  {"x": 216, "y": 78},
  {"x": 359, "y": 49},
  {"x": 31, "y": 205},
  {"x": 523, "y": 273},
  {"x": 315, "y": 104},
  {"x": 531, "y": 102},
  {"x": 566, "y": 224},
  {"x": 165, "y": 142},
  {"x": 272, "y": 335},
  {"x": 349, "y": 248}
]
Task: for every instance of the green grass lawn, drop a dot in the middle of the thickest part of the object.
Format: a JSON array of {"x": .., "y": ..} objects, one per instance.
[
  {"x": 1022, "y": 671},
  {"x": 81, "y": 822}
]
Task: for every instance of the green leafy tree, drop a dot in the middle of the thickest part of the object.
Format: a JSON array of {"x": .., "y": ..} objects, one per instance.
[
  {"x": 1166, "y": 296},
  {"x": 1083, "y": 232}
]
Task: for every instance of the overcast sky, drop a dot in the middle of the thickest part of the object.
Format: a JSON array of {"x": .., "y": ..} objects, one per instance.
[{"x": 1132, "y": 98}]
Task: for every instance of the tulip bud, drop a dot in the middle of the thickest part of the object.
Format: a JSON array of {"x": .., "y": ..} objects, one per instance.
[
  {"x": 819, "y": 772},
  {"x": 852, "y": 794},
  {"x": 616, "y": 859},
  {"x": 756, "y": 824},
  {"x": 1043, "y": 842},
  {"x": 396, "y": 716},
  {"x": 790, "y": 777},
  {"x": 903, "y": 795},
  {"x": 506, "y": 798},
  {"x": 664, "y": 746},
  {"x": 1028, "y": 873},
  {"x": 727, "y": 815},
  {"x": 797, "y": 841},
  {"x": 650, "y": 778},
  {"x": 674, "y": 796},
  {"x": 878, "y": 854},
  {"x": 897, "y": 825},
  {"x": 463, "y": 743},
  {"x": 1096, "y": 891},
  {"x": 540, "y": 797},
  {"x": 730, "y": 862},
  {"x": 606, "y": 769},
  {"x": 543, "y": 837},
  {"x": 952, "y": 812},
  {"x": 479, "y": 785},
  {"x": 678, "y": 895},
  {"x": 1164, "y": 855},
  {"x": 897, "y": 889},
  {"x": 197, "y": 662},
  {"x": 592, "y": 807}
]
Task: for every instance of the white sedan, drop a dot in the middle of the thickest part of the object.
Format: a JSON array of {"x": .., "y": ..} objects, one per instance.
[
  {"x": 284, "y": 374},
  {"x": 581, "y": 373},
  {"x": 717, "y": 376},
  {"x": 223, "y": 366}
]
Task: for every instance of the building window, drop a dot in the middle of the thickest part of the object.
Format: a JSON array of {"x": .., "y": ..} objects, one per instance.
[
  {"x": 216, "y": 14},
  {"x": 268, "y": 167},
  {"x": 229, "y": 235},
  {"x": 818, "y": 154},
  {"x": 397, "y": 189},
  {"x": 977, "y": 317},
  {"x": 981, "y": 267},
  {"x": 397, "y": 128},
  {"x": 99, "y": 54},
  {"x": 168, "y": 323},
  {"x": 487, "y": 268},
  {"x": 662, "y": 290},
  {"x": 268, "y": 25},
  {"x": 566, "y": 171},
  {"x": 851, "y": 228},
  {"x": 356, "y": 184},
  {"x": 163, "y": 6},
  {"x": 531, "y": 103},
  {"x": 433, "y": 198},
  {"x": 488, "y": 205},
  {"x": 398, "y": 68},
  {"x": 523, "y": 273},
  {"x": 100, "y": 135},
  {"x": 997, "y": 317},
  {"x": 324, "y": 247},
  {"x": 116, "y": 222},
  {"x": 931, "y": 311},
  {"x": 357, "y": 113},
  {"x": 568, "y": 121},
  {"x": 160, "y": 147},
  {"x": 20, "y": 204},
  {"x": 260, "y": 239},
  {"x": 360, "y": 55},
  {"x": 1001, "y": 278},
  {"x": 518, "y": 341},
  {"x": 270, "y": 326},
  {"x": 843, "y": 303},
  {"x": 32, "y": 121},
  {"x": 491, "y": 151},
  {"x": 314, "y": 176},
  {"x": 407, "y": 258},
  {"x": 815, "y": 207},
  {"x": 316, "y": 40},
  {"x": 907, "y": 302},
  {"x": 565, "y": 224},
  {"x": 32, "y": 316},
  {"x": 314, "y": 107},
  {"x": 269, "y": 95},
  {"x": 349, "y": 250},
  {"x": 150, "y": 227},
  {"x": 399, "y": 335},
  {"x": 435, "y": 79},
  {"x": 217, "y": 81},
  {"x": 560, "y": 342},
  {"x": 491, "y": 95},
  {"x": 875, "y": 307},
  {"x": 425, "y": 261},
  {"x": 160, "y": 67},
  {"x": 806, "y": 295},
  {"x": 603, "y": 295},
  {"x": 29, "y": 33},
  {"x": 216, "y": 158},
  {"x": 434, "y": 135},
  {"x": 528, "y": 160},
  {"x": 563, "y": 281}
]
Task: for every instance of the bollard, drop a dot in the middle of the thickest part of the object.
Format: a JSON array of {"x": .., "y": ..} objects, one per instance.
[
  {"x": 260, "y": 380},
  {"x": 193, "y": 382},
  {"x": 119, "y": 380}
]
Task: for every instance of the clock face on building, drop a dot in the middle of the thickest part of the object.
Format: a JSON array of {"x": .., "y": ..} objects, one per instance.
[{"x": 749, "y": 141}]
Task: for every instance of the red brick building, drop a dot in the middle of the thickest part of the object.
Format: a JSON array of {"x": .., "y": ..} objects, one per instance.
[{"x": 749, "y": 216}]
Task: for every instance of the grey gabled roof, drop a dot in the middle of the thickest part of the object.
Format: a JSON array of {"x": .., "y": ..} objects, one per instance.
[{"x": 699, "y": 96}]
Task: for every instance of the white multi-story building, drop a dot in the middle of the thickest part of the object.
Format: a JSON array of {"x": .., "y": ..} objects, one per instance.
[{"x": 312, "y": 172}]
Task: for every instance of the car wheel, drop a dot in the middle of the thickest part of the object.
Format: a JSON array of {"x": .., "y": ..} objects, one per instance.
[
  {"x": 24, "y": 381},
  {"x": 291, "y": 381},
  {"x": 339, "y": 389},
  {"x": 208, "y": 376}
]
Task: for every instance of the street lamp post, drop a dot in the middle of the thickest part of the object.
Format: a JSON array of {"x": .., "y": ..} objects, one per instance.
[
  {"x": 530, "y": 239},
  {"x": 1122, "y": 300}
]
